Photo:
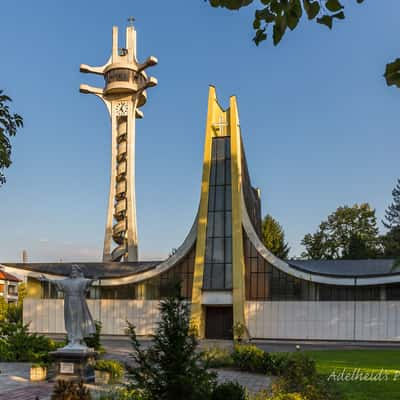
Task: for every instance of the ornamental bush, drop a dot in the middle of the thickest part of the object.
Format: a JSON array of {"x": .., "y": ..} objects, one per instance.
[
  {"x": 298, "y": 376},
  {"x": 93, "y": 341},
  {"x": 216, "y": 357},
  {"x": 278, "y": 396},
  {"x": 70, "y": 391},
  {"x": 113, "y": 367},
  {"x": 122, "y": 394},
  {"x": 250, "y": 358},
  {"x": 18, "y": 344},
  {"x": 229, "y": 390}
]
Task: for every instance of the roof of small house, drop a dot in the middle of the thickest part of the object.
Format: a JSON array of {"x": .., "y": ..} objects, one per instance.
[{"x": 8, "y": 277}]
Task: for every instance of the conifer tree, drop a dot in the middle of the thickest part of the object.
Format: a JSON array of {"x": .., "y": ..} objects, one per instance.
[
  {"x": 392, "y": 215},
  {"x": 273, "y": 237},
  {"x": 171, "y": 369}
]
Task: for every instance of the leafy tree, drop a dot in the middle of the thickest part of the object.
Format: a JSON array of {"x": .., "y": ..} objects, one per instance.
[
  {"x": 15, "y": 310},
  {"x": 349, "y": 232},
  {"x": 392, "y": 73},
  {"x": 171, "y": 369},
  {"x": 3, "y": 309},
  {"x": 357, "y": 249},
  {"x": 392, "y": 214},
  {"x": 9, "y": 124},
  {"x": 283, "y": 14},
  {"x": 22, "y": 293},
  {"x": 273, "y": 237}
]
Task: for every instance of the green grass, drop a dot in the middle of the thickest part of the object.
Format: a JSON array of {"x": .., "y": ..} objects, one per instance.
[{"x": 368, "y": 361}]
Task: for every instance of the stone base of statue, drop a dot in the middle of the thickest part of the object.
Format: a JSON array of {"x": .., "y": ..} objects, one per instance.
[{"x": 73, "y": 363}]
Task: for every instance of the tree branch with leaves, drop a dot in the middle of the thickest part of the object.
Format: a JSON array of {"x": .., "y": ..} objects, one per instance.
[
  {"x": 281, "y": 15},
  {"x": 9, "y": 124}
]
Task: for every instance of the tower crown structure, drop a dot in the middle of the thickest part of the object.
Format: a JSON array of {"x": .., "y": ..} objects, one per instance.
[{"x": 124, "y": 93}]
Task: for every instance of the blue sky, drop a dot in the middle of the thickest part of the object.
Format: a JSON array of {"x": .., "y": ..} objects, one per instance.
[{"x": 320, "y": 127}]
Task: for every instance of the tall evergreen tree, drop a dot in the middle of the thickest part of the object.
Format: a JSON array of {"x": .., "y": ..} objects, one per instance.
[
  {"x": 392, "y": 214},
  {"x": 273, "y": 237},
  {"x": 391, "y": 243},
  {"x": 391, "y": 240},
  {"x": 171, "y": 369}
]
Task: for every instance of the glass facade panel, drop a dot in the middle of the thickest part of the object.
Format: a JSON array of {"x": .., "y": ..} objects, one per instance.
[
  {"x": 211, "y": 198},
  {"x": 228, "y": 275},
  {"x": 228, "y": 250},
  {"x": 228, "y": 198},
  {"x": 219, "y": 198},
  {"x": 228, "y": 224},
  {"x": 210, "y": 225},
  {"x": 219, "y": 226},
  {"x": 264, "y": 282},
  {"x": 220, "y": 172},
  {"x": 218, "y": 250},
  {"x": 207, "y": 276},
  {"x": 218, "y": 276}
]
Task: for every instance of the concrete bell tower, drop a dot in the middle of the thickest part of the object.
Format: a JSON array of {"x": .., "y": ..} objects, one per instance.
[{"x": 123, "y": 94}]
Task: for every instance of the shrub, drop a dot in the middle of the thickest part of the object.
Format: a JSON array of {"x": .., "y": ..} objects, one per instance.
[
  {"x": 239, "y": 330},
  {"x": 122, "y": 394},
  {"x": 93, "y": 341},
  {"x": 299, "y": 376},
  {"x": 113, "y": 367},
  {"x": 216, "y": 357},
  {"x": 14, "y": 313},
  {"x": 18, "y": 344},
  {"x": 278, "y": 396},
  {"x": 3, "y": 309},
  {"x": 297, "y": 369},
  {"x": 70, "y": 391},
  {"x": 251, "y": 358},
  {"x": 171, "y": 368},
  {"x": 229, "y": 390}
]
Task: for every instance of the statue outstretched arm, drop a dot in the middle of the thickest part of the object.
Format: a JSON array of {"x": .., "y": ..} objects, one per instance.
[{"x": 43, "y": 278}]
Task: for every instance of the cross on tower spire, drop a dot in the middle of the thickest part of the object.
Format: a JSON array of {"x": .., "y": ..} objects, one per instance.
[
  {"x": 131, "y": 20},
  {"x": 220, "y": 125}
]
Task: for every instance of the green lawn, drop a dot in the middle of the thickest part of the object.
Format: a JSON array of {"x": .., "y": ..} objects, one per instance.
[{"x": 368, "y": 361}]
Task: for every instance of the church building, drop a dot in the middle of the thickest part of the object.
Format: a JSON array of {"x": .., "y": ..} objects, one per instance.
[{"x": 226, "y": 273}]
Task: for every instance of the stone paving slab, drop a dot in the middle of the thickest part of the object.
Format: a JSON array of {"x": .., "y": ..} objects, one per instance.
[{"x": 15, "y": 383}]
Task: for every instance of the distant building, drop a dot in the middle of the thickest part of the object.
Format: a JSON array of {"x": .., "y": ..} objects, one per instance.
[
  {"x": 226, "y": 273},
  {"x": 9, "y": 286}
]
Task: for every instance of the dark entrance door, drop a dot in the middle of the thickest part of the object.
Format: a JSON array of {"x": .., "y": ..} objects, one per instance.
[{"x": 219, "y": 322}]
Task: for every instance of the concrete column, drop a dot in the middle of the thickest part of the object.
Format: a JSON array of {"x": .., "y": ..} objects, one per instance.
[
  {"x": 111, "y": 196},
  {"x": 130, "y": 192}
]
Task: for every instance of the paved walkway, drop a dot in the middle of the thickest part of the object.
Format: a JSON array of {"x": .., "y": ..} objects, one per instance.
[
  {"x": 15, "y": 383},
  {"x": 121, "y": 344},
  {"x": 253, "y": 382}
]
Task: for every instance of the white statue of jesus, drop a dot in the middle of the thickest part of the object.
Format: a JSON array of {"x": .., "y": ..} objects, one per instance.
[{"x": 78, "y": 320}]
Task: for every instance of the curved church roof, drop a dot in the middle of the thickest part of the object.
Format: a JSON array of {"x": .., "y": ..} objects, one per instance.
[
  {"x": 352, "y": 268},
  {"x": 102, "y": 270}
]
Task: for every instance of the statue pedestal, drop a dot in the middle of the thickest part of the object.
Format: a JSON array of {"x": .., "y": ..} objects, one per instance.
[{"x": 74, "y": 365}]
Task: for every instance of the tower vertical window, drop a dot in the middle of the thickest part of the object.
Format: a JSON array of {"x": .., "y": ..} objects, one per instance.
[{"x": 218, "y": 257}]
